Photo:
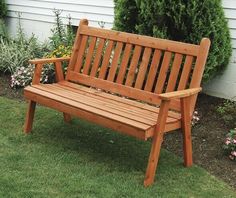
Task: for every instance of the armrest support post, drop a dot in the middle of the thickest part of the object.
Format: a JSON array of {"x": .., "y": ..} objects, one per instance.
[
  {"x": 39, "y": 66},
  {"x": 37, "y": 74}
]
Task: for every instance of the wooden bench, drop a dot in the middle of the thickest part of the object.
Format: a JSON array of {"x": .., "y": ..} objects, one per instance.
[{"x": 138, "y": 85}]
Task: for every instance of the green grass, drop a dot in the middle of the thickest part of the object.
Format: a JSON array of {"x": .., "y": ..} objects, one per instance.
[{"x": 85, "y": 160}]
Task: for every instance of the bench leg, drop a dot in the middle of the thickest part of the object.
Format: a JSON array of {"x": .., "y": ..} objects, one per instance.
[
  {"x": 29, "y": 117},
  {"x": 156, "y": 145},
  {"x": 67, "y": 117},
  {"x": 186, "y": 128}
]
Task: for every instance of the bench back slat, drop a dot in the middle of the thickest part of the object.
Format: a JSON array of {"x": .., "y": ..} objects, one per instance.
[
  {"x": 174, "y": 72},
  {"x": 82, "y": 48},
  {"x": 185, "y": 73},
  {"x": 89, "y": 56},
  {"x": 97, "y": 57},
  {"x": 115, "y": 60},
  {"x": 143, "y": 68},
  {"x": 105, "y": 62},
  {"x": 120, "y": 62},
  {"x": 163, "y": 72},
  {"x": 153, "y": 70},
  {"x": 133, "y": 66},
  {"x": 124, "y": 64}
]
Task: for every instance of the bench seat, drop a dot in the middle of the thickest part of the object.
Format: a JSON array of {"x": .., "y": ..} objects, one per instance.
[{"x": 127, "y": 115}]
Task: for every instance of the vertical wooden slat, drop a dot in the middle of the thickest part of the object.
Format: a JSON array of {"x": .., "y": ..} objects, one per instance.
[
  {"x": 153, "y": 70},
  {"x": 163, "y": 72},
  {"x": 185, "y": 72},
  {"x": 58, "y": 72},
  {"x": 37, "y": 74},
  {"x": 143, "y": 68},
  {"x": 76, "y": 46},
  {"x": 97, "y": 57},
  {"x": 174, "y": 72},
  {"x": 115, "y": 60},
  {"x": 124, "y": 63},
  {"x": 79, "y": 60},
  {"x": 133, "y": 65},
  {"x": 89, "y": 55},
  {"x": 106, "y": 59}
]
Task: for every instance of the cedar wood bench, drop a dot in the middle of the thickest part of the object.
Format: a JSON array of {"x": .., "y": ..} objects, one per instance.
[{"x": 137, "y": 85}]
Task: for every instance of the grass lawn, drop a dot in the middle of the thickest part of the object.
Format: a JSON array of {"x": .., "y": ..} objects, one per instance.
[{"x": 85, "y": 160}]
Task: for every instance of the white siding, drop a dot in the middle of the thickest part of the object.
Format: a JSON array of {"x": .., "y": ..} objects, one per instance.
[
  {"x": 37, "y": 15},
  {"x": 225, "y": 85},
  {"x": 43, "y": 10}
]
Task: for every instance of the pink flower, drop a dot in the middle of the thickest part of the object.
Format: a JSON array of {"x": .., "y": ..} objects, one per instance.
[
  {"x": 234, "y": 141},
  {"x": 233, "y": 153},
  {"x": 227, "y": 142}
]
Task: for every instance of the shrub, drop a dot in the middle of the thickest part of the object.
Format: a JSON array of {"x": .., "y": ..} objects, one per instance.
[
  {"x": 3, "y": 8},
  {"x": 230, "y": 144},
  {"x": 227, "y": 112},
  {"x": 3, "y": 30},
  {"x": 181, "y": 20},
  {"x": 61, "y": 34}
]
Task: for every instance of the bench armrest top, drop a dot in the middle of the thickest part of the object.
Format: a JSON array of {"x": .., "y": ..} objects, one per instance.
[
  {"x": 179, "y": 94},
  {"x": 48, "y": 60}
]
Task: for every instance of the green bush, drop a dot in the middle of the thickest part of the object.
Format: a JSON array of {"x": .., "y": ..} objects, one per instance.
[
  {"x": 181, "y": 20},
  {"x": 3, "y": 30},
  {"x": 3, "y": 8}
]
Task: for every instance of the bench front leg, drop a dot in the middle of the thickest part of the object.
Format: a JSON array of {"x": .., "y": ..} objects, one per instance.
[
  {"x": 186, "y": 129},
  {"x": 156, "y": 143},
  {"x": 29, "y": 117}
]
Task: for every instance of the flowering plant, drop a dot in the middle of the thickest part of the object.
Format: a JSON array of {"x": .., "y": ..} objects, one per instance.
[
  {"x": 23, "y": 75},
  {"x": 230, "y": 144},
  {"x": 195, "y": 118}
]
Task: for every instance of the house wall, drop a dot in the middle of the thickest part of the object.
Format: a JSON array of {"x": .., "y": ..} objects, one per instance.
[
  {"x": 37, "y": 16},
  {"x": 225, "y": 85}
]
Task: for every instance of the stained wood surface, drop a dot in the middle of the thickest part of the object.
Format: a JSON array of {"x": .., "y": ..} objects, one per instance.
[{"x": 138, "y": 85}]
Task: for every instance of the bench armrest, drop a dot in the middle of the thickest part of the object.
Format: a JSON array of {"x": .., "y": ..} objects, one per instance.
[
  {"x": 179, "y": 94},
  {"x": 48, "y": 60},
  {"x": 39, "y": 66}
]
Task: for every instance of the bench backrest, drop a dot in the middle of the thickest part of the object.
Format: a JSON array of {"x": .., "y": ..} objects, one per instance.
[{"x": 135, "y": 66}]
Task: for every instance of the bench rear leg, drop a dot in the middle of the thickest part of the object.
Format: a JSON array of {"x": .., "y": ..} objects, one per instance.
[
  {"x": 186, "y": 129},
  {"x": 29, "y": 117},
  {"x": 67, "y": 117},
  {"x": 156, "y": 144}
]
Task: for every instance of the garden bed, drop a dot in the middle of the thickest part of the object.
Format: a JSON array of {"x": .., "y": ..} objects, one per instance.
[{"x": 208, "y": 135}]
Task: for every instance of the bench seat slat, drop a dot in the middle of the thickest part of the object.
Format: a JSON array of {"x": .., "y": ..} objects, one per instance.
[{"x": 138, "y": 106}]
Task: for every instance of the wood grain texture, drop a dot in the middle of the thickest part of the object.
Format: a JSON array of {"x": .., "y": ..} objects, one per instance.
[
  {"x": 107, "y": 73},
  {"x": 89, "y": 56}
]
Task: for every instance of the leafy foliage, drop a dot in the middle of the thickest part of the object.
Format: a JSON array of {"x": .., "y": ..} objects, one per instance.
[
  {"x": 3, "y": 30},
  {"x": 230, "y": 144},
  {"x": 227, "y": 112},
  {"x": 3, "y": 8},
  {"x": 181, "y": 20},
  {"x": 61, "y": 34}
]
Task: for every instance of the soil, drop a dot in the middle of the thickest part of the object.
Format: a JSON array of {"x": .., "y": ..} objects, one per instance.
[{"x": 208, "y": 135}]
